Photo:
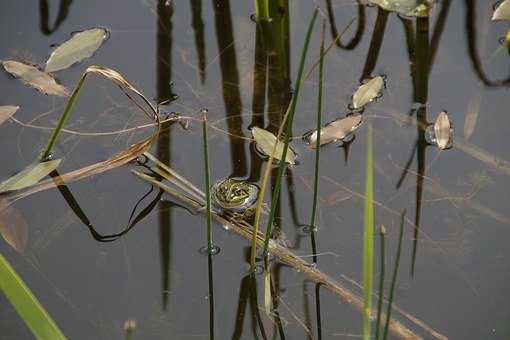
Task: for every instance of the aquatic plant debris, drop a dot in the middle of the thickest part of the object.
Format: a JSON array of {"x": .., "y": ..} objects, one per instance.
[
  {"x": 7, "y": 112},
  {"x": 411, "y": 8},
  {"x": 502, "y": 12},
  {"x": 29, "y": 176},
  {"x": 80, "y": 46},
  {"x": 266, "y": 142},
  {"x": 443, "y": 130},
  {"x": 35, "y": 78},
  {"x": 367, "y": 92},
  {"x": 334, "y": 131},
  {"x": 13, "y": 226}
]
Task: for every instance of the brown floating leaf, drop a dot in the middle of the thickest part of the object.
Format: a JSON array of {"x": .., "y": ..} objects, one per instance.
[
  {"x": 336, "y": 130},
  {"x": 502, "y": 12},
  {"x": 13, "y": 227},
  {"x": 82, "y": 45},
  {"x": 367, "y": 92},
  {"x": 35, "y": 78},
  {"x": 443, "y": 130},
  {"x": 7, "y": 112}
]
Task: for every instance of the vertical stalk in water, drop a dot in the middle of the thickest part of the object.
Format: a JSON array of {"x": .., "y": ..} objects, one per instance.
[
  {"x": 368, "y": 237},
  {"x": 395, "y": 272},
  {"x": 319, "y": 124},
  {"x": 210, "y": 246},
  {"x": 262, "y": 10},
  {"x": 382, "y": 232}
]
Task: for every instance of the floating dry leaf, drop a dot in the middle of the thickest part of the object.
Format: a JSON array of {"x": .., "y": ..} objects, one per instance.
[
  {"x": 472, "y": 115},
  {"x": 13, "y": 227},
  {"x": 7, "y": 112},
  {"x": 30, "y": 175},
  {"x": 502, "y": 12},
  {"x": 367, "y": 92},
  {"x": 336, "y": 130},
  {"x": 34, "y": 77},
  {"x": 412, "y": 8},
  {"x": 266, "y": 141},
  {"x": 82, "y": 45},
  {"x": 443, "y": 130}
]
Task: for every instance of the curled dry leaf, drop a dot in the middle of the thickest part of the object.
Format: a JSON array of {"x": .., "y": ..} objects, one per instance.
[
  {"x": 502, "y": 12},
  {"x": 13, "y": 227},
  {"x": 336, "y": 130},
  {"x": 367, "y": 92},
  {"x": 35, "y": 78},
  {"x": 7, "y": 112},
  {"x": 30, "y": 175},
  {"x": 443, "y": 131},
  {"x": 266, "y": 141},
  {"x": 82, "y": 45}
]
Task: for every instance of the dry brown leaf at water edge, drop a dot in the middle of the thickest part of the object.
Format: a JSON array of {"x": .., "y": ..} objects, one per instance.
[
  {"x": 13, "y": 227},
  {"x": 35, "y": 78},
  {"x": 7, "y": 112},
  {"x": 442, "y": 130},
  {"x": 336, "y": 130}
]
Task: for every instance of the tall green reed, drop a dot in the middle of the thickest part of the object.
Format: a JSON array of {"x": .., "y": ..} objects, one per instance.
[
  {"x": 319, "y": 124},
  {"x": 282, "y": 164},
  {"x": 210, "y": 245},
  {"x": 26, "y": 304},
  {"x": 262, "y": 9},
  {"x": 368, "y": 237}
]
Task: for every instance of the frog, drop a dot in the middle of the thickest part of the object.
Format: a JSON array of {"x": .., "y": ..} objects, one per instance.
[{"x": 235, "y": 196}]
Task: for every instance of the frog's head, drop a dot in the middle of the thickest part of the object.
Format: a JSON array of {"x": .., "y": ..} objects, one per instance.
[{"x": 232, "y": 192}]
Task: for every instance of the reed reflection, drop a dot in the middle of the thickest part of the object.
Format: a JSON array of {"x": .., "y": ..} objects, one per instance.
[{"x": 44, "y": 13}]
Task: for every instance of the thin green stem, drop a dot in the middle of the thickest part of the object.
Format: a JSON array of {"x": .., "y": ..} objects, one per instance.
[
  {"x": 395, "y": 272},
  {"x": 368, "y": 238},
  {"x": 382, "y": 232},
  {"x": 63, "y": 117},
  {"x": 282, "y": 164},
  {"x": 319, "y": 124},
  {"x": 210, "y": 245},
  {"x": 262, "y": 9}
]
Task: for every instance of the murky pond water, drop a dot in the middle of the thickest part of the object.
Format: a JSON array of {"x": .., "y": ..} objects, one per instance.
[{"x": 453, "y": 273}]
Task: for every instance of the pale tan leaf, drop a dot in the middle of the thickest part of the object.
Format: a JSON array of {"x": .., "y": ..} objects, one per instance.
[
  {"x": 82, "y": 45},
  {"x": 367, "y": 92},
  {"x": 336, "y": 130},
  {"x": 7, "y": 112},
  {"x": 30, "y": 175},
  {"x": 266, "y": 142},
  {"x": 13, "y": 227},
  {"x": 35, "y": 78},
  {"x": 413, "y": 8},
  {"x": 442, "y": 130},
  {"x": 502, "y": 12}
]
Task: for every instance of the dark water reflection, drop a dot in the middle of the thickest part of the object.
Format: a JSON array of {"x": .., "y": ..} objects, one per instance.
[{"x": 195, "y": 54}]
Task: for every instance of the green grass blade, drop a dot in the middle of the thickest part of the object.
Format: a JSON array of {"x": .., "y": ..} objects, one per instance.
[
  {"x": 26, "y": 304},
  {"x": 368, "y": 238},
  {"x": 281, "y": 167},
  {"x": 63, "y": 117}
]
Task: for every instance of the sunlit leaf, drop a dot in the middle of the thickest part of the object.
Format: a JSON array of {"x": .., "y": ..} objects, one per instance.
[
  {"x": 7, "y": 112},
  {"x": 443, "y": 130},
  {"x": 367, "y": 92},
  {"x": 412, "y": 8},
  {"x": 268, "y": 303},
  {"x": 34, "y": 77},
  {"x": 30, "y": 175},
  {"x": 336, "y": 130},
  {"x": 82, "y": 45},
  {"x": 472, "y": 115},
  {"x": 502, "y": 12},
  {"x": 26, "y": 304},
  {"x": 13, "y": 227},
  {"x": 266, "y": 141}
]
